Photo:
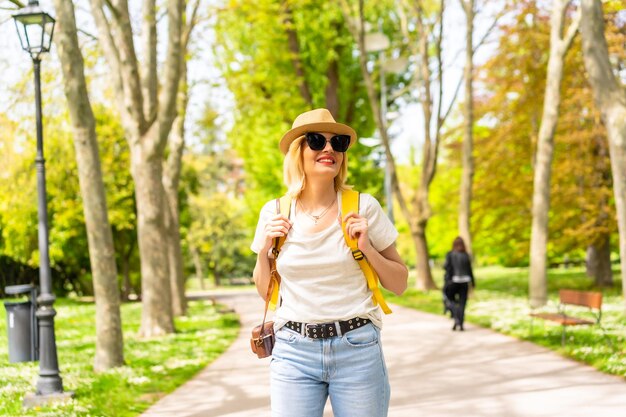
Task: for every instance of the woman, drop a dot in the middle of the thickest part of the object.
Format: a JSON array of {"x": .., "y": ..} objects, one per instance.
[
  {"x": 322, "y": 285},
  {"x": 458, "y": 275}
]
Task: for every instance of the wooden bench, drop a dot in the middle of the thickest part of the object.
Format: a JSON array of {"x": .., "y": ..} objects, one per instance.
[{"x": 592, "y": 300}]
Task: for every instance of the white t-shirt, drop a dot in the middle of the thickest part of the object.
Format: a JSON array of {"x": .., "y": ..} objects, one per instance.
[{"x": 320, "y": 280}]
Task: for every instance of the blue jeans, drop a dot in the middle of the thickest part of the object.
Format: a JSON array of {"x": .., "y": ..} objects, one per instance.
[{"x": 350, "y": 369}]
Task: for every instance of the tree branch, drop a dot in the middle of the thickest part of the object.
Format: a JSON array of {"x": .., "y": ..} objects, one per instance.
[
  {"x": 432, "y": 168},
  {"x": 169, "y": 93},
  {"x": 149, "y": 82},
  {"x": 112, "y": 56},
  {"x": 120, "y": 31},
  {"x": 491, "y": 28},
  {"x": 571, "y": 33},
  {"x": 17, "y": 3}
]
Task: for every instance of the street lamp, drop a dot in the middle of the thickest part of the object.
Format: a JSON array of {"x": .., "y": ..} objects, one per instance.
[{"x": 35, "y": 29}]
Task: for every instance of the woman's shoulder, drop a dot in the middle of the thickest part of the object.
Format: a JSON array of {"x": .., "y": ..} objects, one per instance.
[
  {"x": 269, "y": 207},
  {"x": 367, "y": 200}
]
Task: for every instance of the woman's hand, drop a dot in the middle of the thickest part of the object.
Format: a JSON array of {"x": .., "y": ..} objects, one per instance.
[
  {"x": 277, "y": 226},
  {"x": 357, "y": 228}
]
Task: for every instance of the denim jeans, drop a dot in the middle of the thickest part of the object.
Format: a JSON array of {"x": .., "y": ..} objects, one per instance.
[
  {"x": 350, "y": 369},
  {"x": 457, "y": 295}
]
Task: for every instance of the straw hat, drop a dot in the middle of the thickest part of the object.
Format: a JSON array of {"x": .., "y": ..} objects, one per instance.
[{"x": 318, "y": 120}]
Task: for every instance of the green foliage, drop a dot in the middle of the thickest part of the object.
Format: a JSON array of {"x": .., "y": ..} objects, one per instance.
[
  {"x": 509, "y": 113},
  {"x": 500, "y": 302},
  {"x": 254, "y": 55},
  {"x": 18, "y": 210},
  {"x": 444, "y": 200},
  {"x": 214, "y": 214},
  {"x": 67, "y": 234},
  {"x": 153, "y": 367}
]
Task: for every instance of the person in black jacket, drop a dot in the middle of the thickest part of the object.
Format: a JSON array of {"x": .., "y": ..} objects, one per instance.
[{"x": 458, "y": 276}]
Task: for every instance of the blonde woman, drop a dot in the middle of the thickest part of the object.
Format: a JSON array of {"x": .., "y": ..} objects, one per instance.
[{"x": 327, "y": 324}]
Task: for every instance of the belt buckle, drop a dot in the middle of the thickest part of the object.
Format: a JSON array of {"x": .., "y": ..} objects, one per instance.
[
  {"x": 314, "y": 331},
  {"x": 322, "y": 330}
]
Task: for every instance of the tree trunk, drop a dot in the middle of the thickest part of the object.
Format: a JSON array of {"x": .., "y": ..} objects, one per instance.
[
  {"x": 599, "y": 263},
  {"x": 174, "y": 255},
  {"x": 197, "y": 263},
  {"x": 332, "y": 88},
  {"x": 126, "y": 285},
  {"x": 217, "y": 277},
  {"x": 610, "y": 97},
  {"x": 148, "y": 110},
  {"x": 545, "y": 148},
  {"x": 171, "y": 179},
  {"x": 465, "y": 212},
  {"x": 156, "y": 314},
  {"x": 423, "y": 259},
  {"x": 109, "y": 339}
]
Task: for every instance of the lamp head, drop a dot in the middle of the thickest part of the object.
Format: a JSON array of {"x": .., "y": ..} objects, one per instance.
[{"x": 34, "y": 28}]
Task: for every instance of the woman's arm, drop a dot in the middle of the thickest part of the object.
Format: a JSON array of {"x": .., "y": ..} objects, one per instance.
[
  {"x": 261, "y": 274},
  {"x": 471, "y": 273},
  {"x": 387, "y": 263},
  {"x": 278, "y": 226},
  {"x": 447, "y": 267},
  {"x": 389, "y": 266}
]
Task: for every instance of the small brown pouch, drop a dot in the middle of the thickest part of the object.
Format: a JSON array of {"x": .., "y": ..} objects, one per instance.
[{"x": 262, "y": 341}]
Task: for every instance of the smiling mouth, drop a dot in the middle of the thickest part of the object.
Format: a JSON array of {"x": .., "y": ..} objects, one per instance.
[{"x": 326, "y": 160}]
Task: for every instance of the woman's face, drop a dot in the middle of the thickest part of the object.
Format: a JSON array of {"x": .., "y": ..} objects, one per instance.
[{"x": 323, "y": 164}]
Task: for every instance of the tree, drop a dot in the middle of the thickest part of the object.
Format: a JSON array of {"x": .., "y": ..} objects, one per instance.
[
  {"x": 148, "y": 110},
  {"x": 467, "y": 175},
  {"x": 171, "y": 176},
  {"x": 425, "y": 42},
  {"x": 508, "y": 110},
  {"x": 109, "y": 340},
  {"x": 610, "y": 97},
  {"x": 115, "y": 159},
  {"x": 559, "y": 45},
  {"x": 582, "y": 192}
]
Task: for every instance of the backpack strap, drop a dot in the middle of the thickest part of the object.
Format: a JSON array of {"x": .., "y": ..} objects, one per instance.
[
  {"x": 350, "y": 202},
  {"x": 283, "y": 206}
]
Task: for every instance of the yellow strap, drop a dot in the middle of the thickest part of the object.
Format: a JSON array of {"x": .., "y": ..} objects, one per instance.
[
  {"x": 350, "y": 202},
  {"x": 285, "y": 209}
]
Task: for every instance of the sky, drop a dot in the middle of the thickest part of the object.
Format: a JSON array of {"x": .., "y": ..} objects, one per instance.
[{"x": 405, "y": 129}]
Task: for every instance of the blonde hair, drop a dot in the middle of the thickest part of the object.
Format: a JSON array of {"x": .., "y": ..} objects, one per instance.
[{"x": 293, "y": 170}]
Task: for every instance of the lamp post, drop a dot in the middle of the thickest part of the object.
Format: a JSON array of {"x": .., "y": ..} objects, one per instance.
[{"x": 35, "y": 29}]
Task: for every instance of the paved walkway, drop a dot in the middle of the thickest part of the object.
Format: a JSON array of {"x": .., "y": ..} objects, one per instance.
[{"x": 433, "y": 372}]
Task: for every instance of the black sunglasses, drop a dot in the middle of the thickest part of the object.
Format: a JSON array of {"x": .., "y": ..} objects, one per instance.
[{"x": 317, "y": 142}]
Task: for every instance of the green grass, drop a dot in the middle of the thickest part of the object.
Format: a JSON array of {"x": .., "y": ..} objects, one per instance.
[
  {"x": 500, "y": 302},
  {"x": 154, "y": 367}
]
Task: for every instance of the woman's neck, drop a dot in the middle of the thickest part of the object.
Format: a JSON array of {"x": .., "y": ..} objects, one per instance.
[{"x": 317, "y": 195}]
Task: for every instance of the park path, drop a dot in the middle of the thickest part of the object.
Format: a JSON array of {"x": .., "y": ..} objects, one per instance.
[{"x": 433, "y": 372}]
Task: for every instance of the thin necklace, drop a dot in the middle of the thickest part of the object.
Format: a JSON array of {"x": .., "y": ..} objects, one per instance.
[{"x": 319, "y": 216}]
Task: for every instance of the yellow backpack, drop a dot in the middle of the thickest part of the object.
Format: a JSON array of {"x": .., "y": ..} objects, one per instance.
[{"x": 349, "y": 202}]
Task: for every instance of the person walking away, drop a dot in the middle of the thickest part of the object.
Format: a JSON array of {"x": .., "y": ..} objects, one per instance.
[
  {"x": 457, "y": 278},
  {"x": 328, "y": 319}
]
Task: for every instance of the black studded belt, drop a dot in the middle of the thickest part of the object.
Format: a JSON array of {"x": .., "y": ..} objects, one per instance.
[{"x": 326, "y": 330}]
